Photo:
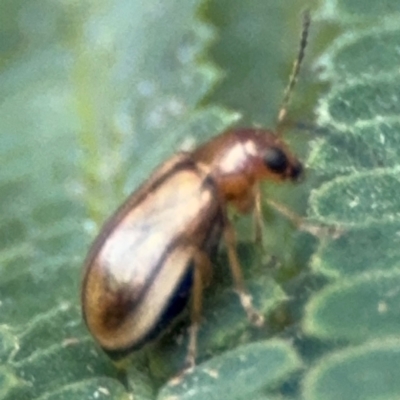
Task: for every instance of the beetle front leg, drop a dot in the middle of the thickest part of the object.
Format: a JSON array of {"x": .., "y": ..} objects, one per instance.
[
  {"x": 303, "y": 225},
  {"x": 245, "y": 298},
  {"x": 258, "y": 217},
  {"x": 250, "y": 201}
]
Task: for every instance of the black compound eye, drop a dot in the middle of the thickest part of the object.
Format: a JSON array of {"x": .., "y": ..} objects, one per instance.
[{"x": 275, "y": 159}]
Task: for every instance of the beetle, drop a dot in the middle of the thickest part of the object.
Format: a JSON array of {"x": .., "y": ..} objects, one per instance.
[{"x": 153, "y": 254}]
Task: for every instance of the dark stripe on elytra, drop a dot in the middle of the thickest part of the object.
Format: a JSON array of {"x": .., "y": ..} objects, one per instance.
[
  {"x": 178, "y": 301},
  {"x": 152, "y": 277},
  {"x": 173, "y": 308},
  {"x": 176, "y": 241},
  {"x": 126, "y": 303}
]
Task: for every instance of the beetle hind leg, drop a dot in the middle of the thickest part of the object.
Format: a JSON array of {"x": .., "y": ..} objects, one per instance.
[{"x": 202, "y": 270}]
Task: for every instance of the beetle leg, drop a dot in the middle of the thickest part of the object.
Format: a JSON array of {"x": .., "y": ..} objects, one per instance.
[
  {"x": 257, "y": 216},
  {"x": 245, "y": 298},
  {"x": 301, "y": 224},
  {"x": 250, "y": 201},
  {"x": 202, "y": 268},
  {"x": 297, "y": 220}
]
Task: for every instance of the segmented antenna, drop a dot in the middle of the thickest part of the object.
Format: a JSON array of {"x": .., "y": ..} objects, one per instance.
[{"x": 295, "y": 71}]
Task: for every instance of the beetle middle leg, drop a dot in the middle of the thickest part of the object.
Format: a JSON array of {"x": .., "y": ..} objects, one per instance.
[{"x": 245, "y": 298}]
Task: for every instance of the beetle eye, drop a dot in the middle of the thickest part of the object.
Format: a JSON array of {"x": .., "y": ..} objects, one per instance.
[{"x": 275, "y": 159}]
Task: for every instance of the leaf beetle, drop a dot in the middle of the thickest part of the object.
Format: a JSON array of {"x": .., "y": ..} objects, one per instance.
[{"x": 153, "y": 255}]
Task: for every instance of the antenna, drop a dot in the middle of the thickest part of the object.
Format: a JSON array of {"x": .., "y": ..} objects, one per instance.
[{"x": 295, "y": 71}]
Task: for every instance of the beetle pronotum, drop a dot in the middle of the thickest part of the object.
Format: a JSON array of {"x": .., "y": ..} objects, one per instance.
[{"x": 153, "y": 254}]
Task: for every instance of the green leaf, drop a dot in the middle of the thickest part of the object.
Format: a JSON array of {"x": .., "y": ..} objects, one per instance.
[
  {"x": 356, "y": 163},
  {"x": 364, "y": 307},
  {"x": 366, "y": 372},
  {"x": 98, "y": 388},
  {"x": 352, "y": 253},
  {"x": 359, "y": 199},
  {"x": 237, "y": 374},
  {"x": 370, "y": 8}
]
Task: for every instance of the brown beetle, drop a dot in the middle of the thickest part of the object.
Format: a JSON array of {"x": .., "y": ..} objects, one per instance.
[{"x": 154, "y": 253}]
